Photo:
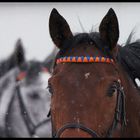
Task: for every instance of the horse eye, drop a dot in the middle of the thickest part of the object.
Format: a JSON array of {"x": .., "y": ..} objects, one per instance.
[
  {"x": 112, "y": 89},
  {"x": 50, "y": 88},
  {"x": 34, "y": 95}
]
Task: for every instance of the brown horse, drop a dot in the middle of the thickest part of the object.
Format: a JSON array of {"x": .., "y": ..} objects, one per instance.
[{"x": 93, "y": 87}]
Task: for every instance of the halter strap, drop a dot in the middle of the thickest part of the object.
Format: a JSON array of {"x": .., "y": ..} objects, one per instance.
[
  {"x": 84, "y": 59},
  {"x": 27, "y": 119},
  {"x": 120, "y": 114}
]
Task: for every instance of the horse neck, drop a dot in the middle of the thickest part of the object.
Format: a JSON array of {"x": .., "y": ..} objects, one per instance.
[
  {"x": 6, "y": 65},
  {"x": 130, "y": 89},
  {"x": 132, "y": 104},
  {"x": 4, "y": 68},
  {"x": 7, "y": 86}
]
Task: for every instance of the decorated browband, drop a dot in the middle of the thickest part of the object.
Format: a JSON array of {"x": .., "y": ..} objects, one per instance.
[{"x": 84, "y": 59}]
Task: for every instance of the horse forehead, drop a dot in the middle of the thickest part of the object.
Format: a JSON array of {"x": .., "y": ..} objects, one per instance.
[
  {"x": 84, "y": 76},
  {"x": 75, "y": 69},
  {"x": 84, "y": 49}
]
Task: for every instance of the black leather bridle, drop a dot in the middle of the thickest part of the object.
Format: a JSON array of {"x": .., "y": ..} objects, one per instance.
[
  {"x": 119, "y": 117},
  {"x": 26, "y": 117}
]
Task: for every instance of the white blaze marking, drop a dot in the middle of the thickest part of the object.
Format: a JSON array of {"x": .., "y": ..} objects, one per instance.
[{"x": 87, "y": 75}]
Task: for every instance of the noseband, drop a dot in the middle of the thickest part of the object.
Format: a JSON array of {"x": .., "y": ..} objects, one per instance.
[{"x": 120, "y": 114}]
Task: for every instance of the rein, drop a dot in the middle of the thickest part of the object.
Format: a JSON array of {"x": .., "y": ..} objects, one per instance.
[
  {"x": 30, "y": 125},
  {"x": 120, "y": 114}
]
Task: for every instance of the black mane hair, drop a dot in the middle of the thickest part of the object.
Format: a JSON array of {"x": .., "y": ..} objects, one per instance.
[{"x": 129, "y": 57}]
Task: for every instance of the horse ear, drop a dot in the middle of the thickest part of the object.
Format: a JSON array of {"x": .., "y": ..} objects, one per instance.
[
  {"x": 109, "y": 29},
  {"x": 19, "y": 56},
  {"x": 59, "y": 28}
]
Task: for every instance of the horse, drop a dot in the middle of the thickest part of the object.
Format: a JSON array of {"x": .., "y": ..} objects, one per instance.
[
  {"x": 26, "y": 100},
  {"x": 92, "y": 85}
]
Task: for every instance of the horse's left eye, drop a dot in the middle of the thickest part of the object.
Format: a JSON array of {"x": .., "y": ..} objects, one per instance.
[
  {"x": 112, "y": 89},
  {"x": 50, "y": 88},
  {"x": 34, "y": 95}
]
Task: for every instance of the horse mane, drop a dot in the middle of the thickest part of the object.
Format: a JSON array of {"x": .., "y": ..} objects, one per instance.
[{"x": 129, "y": 57}]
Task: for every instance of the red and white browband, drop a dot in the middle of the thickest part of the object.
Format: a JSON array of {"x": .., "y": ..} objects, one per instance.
[{"x": 84, "y": 59}]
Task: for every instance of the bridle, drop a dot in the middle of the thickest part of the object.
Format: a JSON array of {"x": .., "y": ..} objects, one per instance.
[
  {"x": 120, "y": 113},
  {"x": 26, "y": 117}
]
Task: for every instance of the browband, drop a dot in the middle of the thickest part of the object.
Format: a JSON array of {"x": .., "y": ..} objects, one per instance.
[{"x": 84, "y": 59}]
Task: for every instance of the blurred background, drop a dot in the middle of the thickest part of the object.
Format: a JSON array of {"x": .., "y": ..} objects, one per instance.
[
  {"x": 25, "y": 114},
  {"x": 29, "y": 21}
]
